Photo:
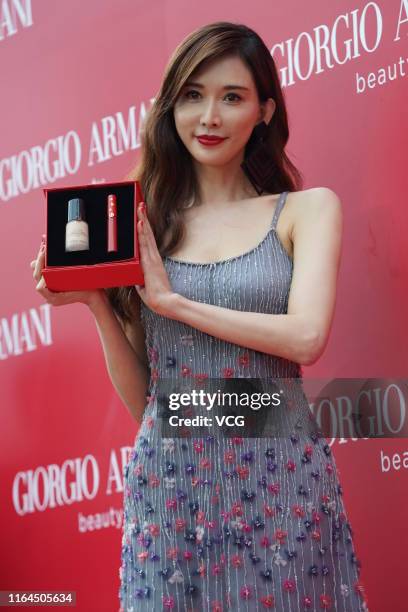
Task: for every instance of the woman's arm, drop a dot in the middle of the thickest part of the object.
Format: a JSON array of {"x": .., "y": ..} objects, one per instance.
[
  {"x": 125, "y": 355},
  {"x": 124, "y": 347},
  {"x": 300, "y": 335}
]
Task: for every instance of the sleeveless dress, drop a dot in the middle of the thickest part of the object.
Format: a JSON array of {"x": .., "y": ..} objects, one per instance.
[{"x": 220, "y": 523}]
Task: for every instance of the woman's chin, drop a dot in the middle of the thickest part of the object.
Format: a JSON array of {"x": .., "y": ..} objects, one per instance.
[{"x": 211, "y": 159}]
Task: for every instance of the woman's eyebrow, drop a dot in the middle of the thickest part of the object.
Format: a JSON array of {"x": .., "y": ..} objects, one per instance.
[{"x": 200, "y": 85}]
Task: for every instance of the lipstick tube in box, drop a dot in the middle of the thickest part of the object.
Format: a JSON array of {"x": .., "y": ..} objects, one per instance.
[
  {"x": 97, "y": 267},
  {"x": 112, "y": 224}
]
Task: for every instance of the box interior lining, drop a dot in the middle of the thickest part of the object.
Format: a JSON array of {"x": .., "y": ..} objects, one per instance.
[{"x": 96, "y": 205}]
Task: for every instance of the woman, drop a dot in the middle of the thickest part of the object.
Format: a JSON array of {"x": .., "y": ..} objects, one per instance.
[{"x": 240, "y": 282}]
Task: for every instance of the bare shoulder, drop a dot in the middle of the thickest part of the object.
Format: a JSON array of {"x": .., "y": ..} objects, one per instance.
[
  {"x": 315, "y": 198},
  {"x": 308, "y": 205}
]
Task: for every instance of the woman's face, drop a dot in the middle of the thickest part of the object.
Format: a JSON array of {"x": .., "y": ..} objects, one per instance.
[{"x": 219, "y": 99}]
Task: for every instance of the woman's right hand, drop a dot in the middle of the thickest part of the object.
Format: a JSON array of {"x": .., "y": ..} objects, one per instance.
[{"x": 60, "y": 298}]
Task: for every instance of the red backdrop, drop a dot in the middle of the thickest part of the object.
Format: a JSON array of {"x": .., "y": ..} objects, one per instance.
[{"x": 77, "y": 78}]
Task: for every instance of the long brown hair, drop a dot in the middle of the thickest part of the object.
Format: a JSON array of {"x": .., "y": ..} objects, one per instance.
[{"x": 165, "y": 170}]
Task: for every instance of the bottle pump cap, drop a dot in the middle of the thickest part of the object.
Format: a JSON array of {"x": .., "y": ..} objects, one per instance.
[{"x": 76, "y": 210}]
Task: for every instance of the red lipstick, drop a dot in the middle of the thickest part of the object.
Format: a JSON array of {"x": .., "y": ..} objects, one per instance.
[
  {"x": 210, "y": 141},
  {"x": 112, "y": 225}
]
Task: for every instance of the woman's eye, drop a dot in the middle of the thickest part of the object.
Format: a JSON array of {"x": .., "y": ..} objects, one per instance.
[
  {"x": 192, "y": 94},
  {"x": 236, "y": 97}
]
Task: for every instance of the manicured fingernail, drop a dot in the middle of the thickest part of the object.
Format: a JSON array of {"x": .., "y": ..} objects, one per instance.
[{"x": 141, "y": 224}]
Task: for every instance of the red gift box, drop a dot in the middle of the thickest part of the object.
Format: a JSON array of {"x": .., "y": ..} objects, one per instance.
[{"x": 94, "y": 268}]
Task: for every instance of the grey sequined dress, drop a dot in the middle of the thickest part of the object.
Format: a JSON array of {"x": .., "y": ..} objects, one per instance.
[{"x": 240, "y": 523}]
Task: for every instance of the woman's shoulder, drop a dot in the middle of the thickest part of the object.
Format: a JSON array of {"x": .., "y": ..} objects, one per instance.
[
  {"x": 314, "y": 195},
  {"x": 315, "y": 199},
  {"x": 308, "y": 207}
]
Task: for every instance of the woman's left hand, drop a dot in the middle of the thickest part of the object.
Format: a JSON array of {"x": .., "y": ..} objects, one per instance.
[{"x": 157, "y": 293}]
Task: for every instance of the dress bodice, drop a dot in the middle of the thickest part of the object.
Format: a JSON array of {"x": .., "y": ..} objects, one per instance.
[{"x": 256, "y": 281}]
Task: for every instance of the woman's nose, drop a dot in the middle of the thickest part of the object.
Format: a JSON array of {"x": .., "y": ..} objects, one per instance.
[{"x": 210, "y": 115}]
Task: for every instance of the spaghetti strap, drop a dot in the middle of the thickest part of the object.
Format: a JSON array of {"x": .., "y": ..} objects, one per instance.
[{"x": 279, "y": 206}]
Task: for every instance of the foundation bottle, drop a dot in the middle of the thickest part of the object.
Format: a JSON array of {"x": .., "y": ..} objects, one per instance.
[{"x": 76, "y": 230}]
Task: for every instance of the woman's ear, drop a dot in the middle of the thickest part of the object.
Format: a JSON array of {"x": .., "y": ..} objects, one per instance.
[{"x": 267, "y": 110}]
